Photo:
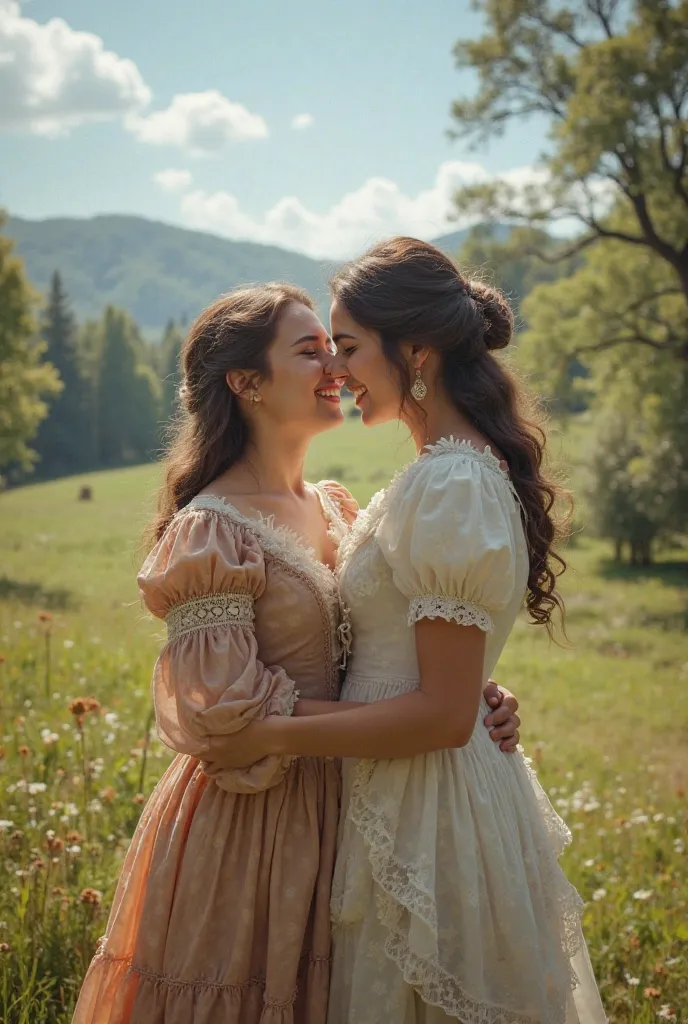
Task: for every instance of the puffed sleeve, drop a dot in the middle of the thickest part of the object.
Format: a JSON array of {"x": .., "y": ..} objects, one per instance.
[
  {"x": 449, "y": 539},
  {"x": 203, "y": 578}
]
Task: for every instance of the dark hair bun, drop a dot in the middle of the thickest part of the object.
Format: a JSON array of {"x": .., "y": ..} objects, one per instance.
[{"x": 499, "y": 318}]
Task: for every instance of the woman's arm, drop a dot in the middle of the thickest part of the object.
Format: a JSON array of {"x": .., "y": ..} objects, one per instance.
[
  {"x": 308, "y": 708},
  {"x": 441, "y": 714}
]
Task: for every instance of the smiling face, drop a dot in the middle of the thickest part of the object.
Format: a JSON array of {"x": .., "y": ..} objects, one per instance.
[
  {"x": 372, "y": 379},
  {"x": 299, "y": 392}
]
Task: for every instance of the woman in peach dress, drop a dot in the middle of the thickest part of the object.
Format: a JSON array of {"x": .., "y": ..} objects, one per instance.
[{"x": 221, "y": 914}]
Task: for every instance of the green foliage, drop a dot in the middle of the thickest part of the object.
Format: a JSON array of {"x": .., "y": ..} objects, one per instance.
[
  {"x": 128, "y": 395},
  {"x": 65, "y": 442},
  {"x": 25, "y": 379},
  {"x": 612, "y": 79}
]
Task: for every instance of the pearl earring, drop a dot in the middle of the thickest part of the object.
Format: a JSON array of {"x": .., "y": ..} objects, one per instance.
[{"x": 419, "y": 389}]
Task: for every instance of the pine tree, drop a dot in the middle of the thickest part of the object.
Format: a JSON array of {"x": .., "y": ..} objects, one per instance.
[
  {"x": 128, "y": 399},
  {"x": 64, "y": 441}
]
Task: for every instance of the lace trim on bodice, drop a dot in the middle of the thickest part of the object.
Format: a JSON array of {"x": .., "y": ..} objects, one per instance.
[
  {"x": 435, "y": 606},
  {"x": 278, "y": 540},
  {"x": 232, "y": 609}
]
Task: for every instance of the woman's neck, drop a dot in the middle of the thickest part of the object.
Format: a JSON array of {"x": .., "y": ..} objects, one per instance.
[
  {"x": 273, "y": 462},
  {"x": 439, "y": 418}
]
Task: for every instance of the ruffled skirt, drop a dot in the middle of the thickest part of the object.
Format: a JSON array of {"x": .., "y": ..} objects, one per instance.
[
  {"x": 448, "y": 900},
  {"x": 221, "y": 914}
]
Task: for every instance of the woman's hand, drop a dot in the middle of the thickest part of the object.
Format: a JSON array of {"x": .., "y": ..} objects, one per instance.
[
  {"x": 241, "y": 749},
  {"x": 503, "y": 722}
]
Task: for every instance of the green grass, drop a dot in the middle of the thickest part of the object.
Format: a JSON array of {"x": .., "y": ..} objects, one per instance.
[{"x": 605, "y": 718}]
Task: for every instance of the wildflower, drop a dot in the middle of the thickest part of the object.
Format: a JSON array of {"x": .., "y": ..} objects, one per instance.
[
  {"x": 38, "y": 864},
  {"x": 37, "y": 787},
  {"x": 632, "y": 982},
  {"x": 74, "y": 837},
  {"x": 588, "y": 863},
  {"x": 49, "y": 737},
  {"x": 58, "y": 891},
  {"x": 45, "y": 617},
  {"x": 642, "y": 894},
  {"x": 4, "y": 947},
  {"x": 652, "y": 993},
  {"x": 5, "y": 824},
  {"x": 68, "y": 644},
  {"x": 24, "y": 751},
  {"x": 111, "y": 719},
  {"x": 139, "y": 799},
  {"x": 91, "y": 897},
  {"x": 54, "y": 843},
  {"x": 108, "y": 794},
  {"x": 599, "y": 894},
  {"x": 74, "y": 850},
  {"x": 679, "y": 846},
  {"x": 673, "y": 961},
  {"x": 666, "y": 1012},
  {"x": 82, "y": 706}
]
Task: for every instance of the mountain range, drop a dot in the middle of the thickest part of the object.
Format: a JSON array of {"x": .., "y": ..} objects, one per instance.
[{"x": 157, "y": 271}]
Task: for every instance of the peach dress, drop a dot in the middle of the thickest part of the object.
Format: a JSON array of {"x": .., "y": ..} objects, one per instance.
[{"x": 221, "y": 914}]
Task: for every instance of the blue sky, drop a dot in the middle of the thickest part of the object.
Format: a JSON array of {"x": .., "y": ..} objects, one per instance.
[{"x": 185, "y": 113}]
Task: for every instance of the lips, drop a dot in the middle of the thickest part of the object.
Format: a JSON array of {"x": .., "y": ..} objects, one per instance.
[
  {"x": 331, "y": 394},
  {"x": 358, "y": 391}
]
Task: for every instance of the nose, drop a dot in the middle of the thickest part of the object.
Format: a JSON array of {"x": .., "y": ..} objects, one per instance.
[{"x": 335, "y": 365}]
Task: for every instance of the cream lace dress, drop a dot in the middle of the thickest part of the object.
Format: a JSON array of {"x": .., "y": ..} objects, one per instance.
[
  {"x": 221, "y": 914},
  {"x": 448, "y": 900}
]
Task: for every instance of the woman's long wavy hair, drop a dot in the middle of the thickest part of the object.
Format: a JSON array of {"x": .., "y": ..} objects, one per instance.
[
  {"x": 210, "y": 432},
  {"x": 407, "y": 290}
]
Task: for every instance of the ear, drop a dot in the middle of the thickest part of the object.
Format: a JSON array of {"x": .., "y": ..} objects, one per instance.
[
  {"x": 415, "y": 354},
  {"x": 242, "y": 383}
]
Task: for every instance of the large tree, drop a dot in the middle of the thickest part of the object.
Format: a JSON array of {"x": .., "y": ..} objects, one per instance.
[
  {"x": 25, "y": 379},
  {"x": 612, "y": 77}
]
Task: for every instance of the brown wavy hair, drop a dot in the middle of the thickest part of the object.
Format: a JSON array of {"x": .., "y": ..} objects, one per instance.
[
  {"x": 407, "y": 290},
  {"x": 210, "y": 433}
]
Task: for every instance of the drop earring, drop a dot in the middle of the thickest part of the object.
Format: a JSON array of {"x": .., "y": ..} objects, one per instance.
[{"x": 419, "y": 389}]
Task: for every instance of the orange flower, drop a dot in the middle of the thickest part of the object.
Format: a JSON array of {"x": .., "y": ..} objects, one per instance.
[
  {"x": 108, "y": 794},
  {"x": 45, "y": 620},
  {"x": 91, "y": 897},
  {"x": 4, "y": 947},
  {"x": 652, "y": 993},
  {"x": 24, "y": 751},
  {"x": 74, "y": 837},
  {"x": 83, "y": 706},
  {"x": 139, "y": 799}
]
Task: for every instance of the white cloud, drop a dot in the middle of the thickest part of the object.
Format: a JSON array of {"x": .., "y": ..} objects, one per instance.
[
  {"x": 53, "y": 78},
  {"x": 173, "y": 180},
  {"x": 202, "y": 122},
  {"x": 376, "y": 210},
  {"x": 302, "y": 121}
]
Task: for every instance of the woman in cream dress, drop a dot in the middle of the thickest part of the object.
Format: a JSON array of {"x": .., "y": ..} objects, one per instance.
[
  {"x": 448, "y": 900},
  {"x": 221, "y": 914}
]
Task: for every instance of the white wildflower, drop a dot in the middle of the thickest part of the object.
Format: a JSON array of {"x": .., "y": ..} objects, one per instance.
[
  {"x": 666, "y": 1013},
  {"x": 5, "y": 824},
  {"x": 37, "y": 787},
  {"x": 679, "y": 846},
  {"x": 642, "y": 894},
  {"x": 588, "y": 863},
  {"x": 599, "y": 894},
  {"x": 74, "y": 850},
  {"x": 68, "y": 644}
]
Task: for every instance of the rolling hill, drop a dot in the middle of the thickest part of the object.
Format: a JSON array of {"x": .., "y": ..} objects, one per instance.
[{"x": 154, "y": 270}]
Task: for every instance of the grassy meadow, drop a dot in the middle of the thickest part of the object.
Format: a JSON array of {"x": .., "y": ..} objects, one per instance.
[{"x": 605, "y": 719}]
